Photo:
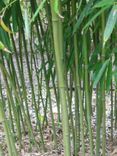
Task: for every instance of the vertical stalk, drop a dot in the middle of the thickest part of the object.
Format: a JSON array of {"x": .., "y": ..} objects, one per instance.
[
  {"x": 78, "y": 86},
  {"x": 103, "y": 96},
  {"x": 32, "y": 89},
  {"x": 58, "y": 46},
  {"x": 111, "y": 111},
  {"x": 44, "y": 69},
  {"x": 88, "y": 105},
  {"x": 9, "y": 137}
]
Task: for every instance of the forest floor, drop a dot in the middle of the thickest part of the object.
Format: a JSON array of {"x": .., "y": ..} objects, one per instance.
[{"x": 28, "y": 150}]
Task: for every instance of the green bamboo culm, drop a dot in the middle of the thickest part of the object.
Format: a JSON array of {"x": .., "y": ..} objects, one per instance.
[
  {"x": 9, "y": 137},
  {"x": 78, "y": 88},
  {"x": 87, "y": 91},
  {"x": 58, "y": 47},
  {"x": 103, "y": 95}
]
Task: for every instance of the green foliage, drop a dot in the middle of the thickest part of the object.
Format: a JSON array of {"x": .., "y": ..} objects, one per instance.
[
  {"x": 104, "y": 3},
  {"x": 86, "y": 11},
  {"x": 40, "y": 7},
  {"x": 2, "y": 47},
  {"x": 100, "y": 73},
  {"x": 112, "y": 19}
]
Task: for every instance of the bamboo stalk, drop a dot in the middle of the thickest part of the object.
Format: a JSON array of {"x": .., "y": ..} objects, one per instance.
[
  {"x": 88, "y": 105},
  {"x": 61, "y": 82}
]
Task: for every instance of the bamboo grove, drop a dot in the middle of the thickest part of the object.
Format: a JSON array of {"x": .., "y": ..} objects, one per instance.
[{"x": 69, "y": 48}]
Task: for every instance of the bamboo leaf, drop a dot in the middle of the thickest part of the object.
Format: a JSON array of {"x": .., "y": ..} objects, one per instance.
[
  {"x": 2, "y": 47},
  {"x": 94, "y": 17},
  {"x": 83, "y": 14},
  {"x": 4, "y": 38},
  {"x": 6, "y": 2},
  {"x": 37, "y": 11},
  {"x": 17, "y": 19},
  {"x": 56, "y": 8},
  {"x": 3, "y": 25},
  {"x": 110, "y": 24},
  {"x": 101, "y": 72},
  {"x": 104, "y": 3}
]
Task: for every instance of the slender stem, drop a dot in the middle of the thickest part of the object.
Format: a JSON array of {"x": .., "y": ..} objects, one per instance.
[{"x": 58, "y": 46}]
